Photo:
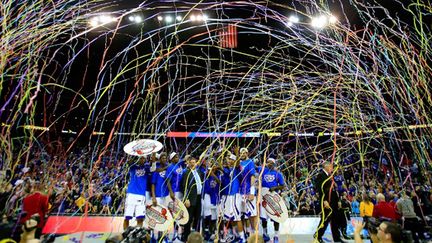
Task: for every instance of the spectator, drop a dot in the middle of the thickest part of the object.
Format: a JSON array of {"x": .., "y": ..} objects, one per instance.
[
  {"x": 195, "y": 237},
  {"x": 29, "y": 228},
  {"x": 384, "y": 210},
  {"x": 106, "y": 203},
  {"x": 80, "y": 202},
  {"x": 366, "y": 208},
  {"x": 35, "y": 203},
  {"x": 355, "y": 206},
  {"x": 387, "y": 233},
  {"x": 405, "y": 208},
  {"x": 345, "y": 210}
]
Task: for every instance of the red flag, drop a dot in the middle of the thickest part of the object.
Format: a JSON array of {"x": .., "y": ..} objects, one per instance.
[{"x": 228, "y": 36}]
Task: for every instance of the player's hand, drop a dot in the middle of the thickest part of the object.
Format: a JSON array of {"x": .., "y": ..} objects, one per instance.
[
  {"x": 154, "y": 202},
  {"x": 187, "y": 203},
  {"x": 326, "y": 205},
  {"x": 250, "y": 197},
  {"x": 236, "y": 150},
  {"x": 358, "y": 226}
]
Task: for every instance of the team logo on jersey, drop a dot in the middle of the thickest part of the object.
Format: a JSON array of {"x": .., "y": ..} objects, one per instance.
[
  {"x": 269, "y": 178},
  {"x": 140, "y": 172},
  {"x": 162, "y": 174},
  {"x": 179, "y": 170},
  {"x": 213, "y": 184}
]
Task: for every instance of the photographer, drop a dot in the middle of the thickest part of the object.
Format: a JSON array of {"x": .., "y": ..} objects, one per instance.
[
  {"x": 386, "y": 232},
  {"x": 29, "y": 228},
  {"x": 410, "y": 221}
]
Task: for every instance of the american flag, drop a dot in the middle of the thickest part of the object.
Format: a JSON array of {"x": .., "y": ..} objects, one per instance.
[{"x": 228, "y": 36}]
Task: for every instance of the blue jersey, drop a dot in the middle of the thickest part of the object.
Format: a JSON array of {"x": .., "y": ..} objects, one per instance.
[
  {"x": 175, "y": 173},
  {"x": 247, "y": 171},
  {"x": 138, "y": 179},
  {"x": 211, "y": 187},
  {"x": 231, "y": 181},
  {"x": 149, "y": 176},
  {"x": 272, "y": 178},
  {"x": 223, "y": 186},
  {"x": 203, "y": 169},
  {"x": 160, "y": 181}
]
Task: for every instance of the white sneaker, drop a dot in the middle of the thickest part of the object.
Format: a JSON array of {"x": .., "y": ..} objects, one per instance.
[{"x": 228, "y": 238}]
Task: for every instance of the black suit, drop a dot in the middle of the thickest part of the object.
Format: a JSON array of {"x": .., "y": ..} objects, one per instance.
[
  {"x": 327, "y": 192},
  {"x": 189, "y": 186}
]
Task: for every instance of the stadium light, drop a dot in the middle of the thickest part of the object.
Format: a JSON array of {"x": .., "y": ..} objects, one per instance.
[
  {"x": 137, "y": 19},
  {"x": 101, "y": 20},
  {"x": 198, "y": 17},
  {"x": 94, "y": 22},
  {"x": 319, "y": 22},
  {"x": 179, "y": 18},
  {"x": 160, "y": 18},
  {"x": 332, "y": 19},
  {"x": 105, "y": 19},
  {"x": 168, "y": 19},
  {"x": 293, "y": 19}
]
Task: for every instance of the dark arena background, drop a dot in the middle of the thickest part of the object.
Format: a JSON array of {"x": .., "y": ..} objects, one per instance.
[{"x": 307, "y": 84}]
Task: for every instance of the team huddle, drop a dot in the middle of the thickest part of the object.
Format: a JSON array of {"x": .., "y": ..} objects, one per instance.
[{"x": 219, "y": 195}]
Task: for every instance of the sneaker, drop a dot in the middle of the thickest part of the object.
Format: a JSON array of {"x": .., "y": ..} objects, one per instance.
[
  {"x": 266, "y": 238},
  {"x": 228, "y": 238},
  {"x": 276, "y": 239}
]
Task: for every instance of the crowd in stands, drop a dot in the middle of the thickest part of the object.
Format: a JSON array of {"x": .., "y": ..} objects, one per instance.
[{"x": 83, "y": 183}]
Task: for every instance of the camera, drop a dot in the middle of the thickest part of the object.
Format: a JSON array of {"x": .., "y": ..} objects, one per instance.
[{"x": 372, "y": 225}]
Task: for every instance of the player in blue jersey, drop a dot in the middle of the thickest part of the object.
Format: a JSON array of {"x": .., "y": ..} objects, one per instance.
[
  {"x": 231, "y": 180},
  {"x": 247, "y": 190},
  {"x": 161, "y": 188},
  {"x": 174, "y": 173},
  {"x": 274, "y": 181},
  {"x": 211, "y": 199},
  {"x": 136, "y": 193},
  {"x": 151, "y": 165},
  {"x": 222, "y": 193}
]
